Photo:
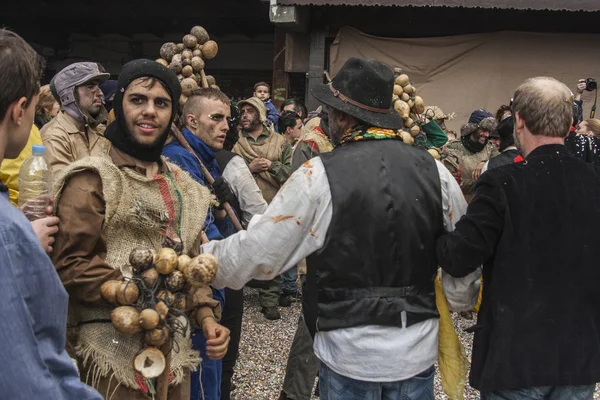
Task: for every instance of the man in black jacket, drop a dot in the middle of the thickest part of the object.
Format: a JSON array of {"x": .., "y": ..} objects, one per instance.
[
  {"x": 532, "y": 226},
  {"x": 508, "y": 151}
]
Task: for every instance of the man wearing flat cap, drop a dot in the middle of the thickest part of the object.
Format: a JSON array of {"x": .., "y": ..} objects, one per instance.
[
  {"x": 78, "y": 129},
  {"x": 367, "y": 216},
  {"x": 110, "y": 205}
]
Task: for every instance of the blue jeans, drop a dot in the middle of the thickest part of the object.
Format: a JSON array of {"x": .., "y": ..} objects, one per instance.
[
  {"x": 288, "y": 281},
  {"x": 334, "y": 386},
  {"x": 207, "y": 378},
  {"x": 543, "y": 393}
]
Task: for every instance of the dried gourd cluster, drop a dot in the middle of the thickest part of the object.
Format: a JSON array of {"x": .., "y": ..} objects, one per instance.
[
  {"x": 152, "y": 301},
  {"x": 410, "y": 107},
  {"x": 187, "y": 60}
]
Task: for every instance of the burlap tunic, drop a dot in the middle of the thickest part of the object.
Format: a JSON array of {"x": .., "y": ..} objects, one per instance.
[
  {"x": 271, "y": 149},
  {"x": 468, "y": 161},
  {"x": 136, "y": 215}
]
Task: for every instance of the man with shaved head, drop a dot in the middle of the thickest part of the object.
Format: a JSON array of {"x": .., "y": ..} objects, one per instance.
[{"x": 532, "y": 227}]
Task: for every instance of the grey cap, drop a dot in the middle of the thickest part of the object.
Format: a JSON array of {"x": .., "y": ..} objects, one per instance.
[{"x": 75, "y": 75}]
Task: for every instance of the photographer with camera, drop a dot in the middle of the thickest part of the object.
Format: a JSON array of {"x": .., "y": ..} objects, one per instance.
[
  {"x": 584, "y": 147},
  {"x": 589, "y": 85}
]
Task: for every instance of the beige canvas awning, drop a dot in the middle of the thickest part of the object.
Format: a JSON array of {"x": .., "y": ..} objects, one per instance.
[{"x": 467, "y": 72}]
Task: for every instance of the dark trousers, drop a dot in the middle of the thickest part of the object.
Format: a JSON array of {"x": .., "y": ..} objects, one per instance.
[
  {"x": 232, "y": 320},
  {"x": 302, "y": 366},
  {"x": 269, "y": 297}
]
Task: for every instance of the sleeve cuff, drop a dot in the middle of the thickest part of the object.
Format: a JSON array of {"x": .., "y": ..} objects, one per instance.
[{"x": 205, "y": 312}]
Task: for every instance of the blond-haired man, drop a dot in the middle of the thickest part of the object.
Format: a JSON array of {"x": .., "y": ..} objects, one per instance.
[{"x": 532, "y": 225}]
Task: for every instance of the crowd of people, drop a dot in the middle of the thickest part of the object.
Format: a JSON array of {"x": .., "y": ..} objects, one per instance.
[{"x": 332, "y": 198}]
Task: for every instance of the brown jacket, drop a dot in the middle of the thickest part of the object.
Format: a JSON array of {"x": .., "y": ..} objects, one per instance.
[
  {"x": 80, "y": 257},
  {"x": 79, "y": 254},
  {"x": 67, "y": 140}
]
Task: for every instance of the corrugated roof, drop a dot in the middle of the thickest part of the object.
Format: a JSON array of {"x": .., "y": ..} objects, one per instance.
[{"x": 555, "y": 5}]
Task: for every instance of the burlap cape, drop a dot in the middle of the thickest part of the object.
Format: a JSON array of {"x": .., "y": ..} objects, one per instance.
[
  {"x": 136, "y": 215},
  {"x": 271, "y": 149}
]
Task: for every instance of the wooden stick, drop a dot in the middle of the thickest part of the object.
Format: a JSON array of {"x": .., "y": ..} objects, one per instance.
[
  {"x": 203, "y": 78},
  {"x": 162, "y": 382},
  {"x": 209, "y": 179}
]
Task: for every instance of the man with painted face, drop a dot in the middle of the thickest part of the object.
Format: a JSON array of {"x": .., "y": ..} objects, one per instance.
[
  {"x": 206, "y": 117},
  {"x": 473, "y": 148},
  {"x": 110, "y": 205},
  {"x": 77, "y": 130},
  {"x": 269, "y": 158}
]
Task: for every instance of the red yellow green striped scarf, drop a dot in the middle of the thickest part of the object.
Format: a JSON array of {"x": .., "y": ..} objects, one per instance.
[{"x": 361, "y": 132}]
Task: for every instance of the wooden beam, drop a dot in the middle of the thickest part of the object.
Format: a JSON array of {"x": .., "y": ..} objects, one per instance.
[
  {"x": 316, "y": 65},
  {"x": 281, "y": 79},
  {"x": 139, "y": 9}
]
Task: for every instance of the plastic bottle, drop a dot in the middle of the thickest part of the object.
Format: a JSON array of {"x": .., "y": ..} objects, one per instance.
[{"x": 35, "y": 184}]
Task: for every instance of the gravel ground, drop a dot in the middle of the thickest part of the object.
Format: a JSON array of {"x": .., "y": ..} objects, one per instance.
[{"x": 265, "y": 345}]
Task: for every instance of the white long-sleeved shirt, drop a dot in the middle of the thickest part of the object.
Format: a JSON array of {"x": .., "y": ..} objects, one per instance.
[
  {"x": 244, "y": 187},
  {"x": 293, "y": 227}
]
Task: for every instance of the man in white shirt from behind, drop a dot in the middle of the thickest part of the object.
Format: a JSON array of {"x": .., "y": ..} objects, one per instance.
[{"x": 367, "y": 216}]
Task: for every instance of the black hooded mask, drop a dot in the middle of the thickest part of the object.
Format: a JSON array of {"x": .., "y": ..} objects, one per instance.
[{"x": 117, "y": 131}]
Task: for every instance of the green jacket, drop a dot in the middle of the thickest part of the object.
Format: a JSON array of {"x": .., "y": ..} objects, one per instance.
[{"x": 280, "y": 170}]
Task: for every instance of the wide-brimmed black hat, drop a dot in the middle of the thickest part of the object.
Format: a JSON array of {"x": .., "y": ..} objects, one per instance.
[{"x": 362, "y": 89}]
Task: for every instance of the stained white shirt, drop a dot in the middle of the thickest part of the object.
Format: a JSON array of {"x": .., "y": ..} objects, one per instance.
[
  {"x": 293, "y": 227},
  {"x": 244, "y": 187}
]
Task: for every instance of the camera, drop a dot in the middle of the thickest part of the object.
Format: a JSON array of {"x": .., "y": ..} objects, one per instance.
[{"x": 591, "y": 84}]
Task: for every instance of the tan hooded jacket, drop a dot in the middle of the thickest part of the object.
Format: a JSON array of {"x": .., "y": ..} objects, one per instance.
[{"x": 68, "y": 140}]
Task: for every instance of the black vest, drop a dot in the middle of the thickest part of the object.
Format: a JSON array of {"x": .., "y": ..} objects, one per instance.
[
  {"x": 223, "y": 157},
  {"x": 378, "y": 258},
  {"x": 504, "y": 158}
]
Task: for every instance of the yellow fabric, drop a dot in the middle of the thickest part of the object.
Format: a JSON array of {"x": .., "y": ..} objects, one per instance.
[
  {"x": 9, "y": 169},
  {"x": 452, "y": 360},
  {"x": 111, "y": 117}
]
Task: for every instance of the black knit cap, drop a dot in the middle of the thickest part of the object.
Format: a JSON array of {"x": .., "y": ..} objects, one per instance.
[
  {"x": 505, "y": 130},
  {"x": 117, "y": 131}
]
